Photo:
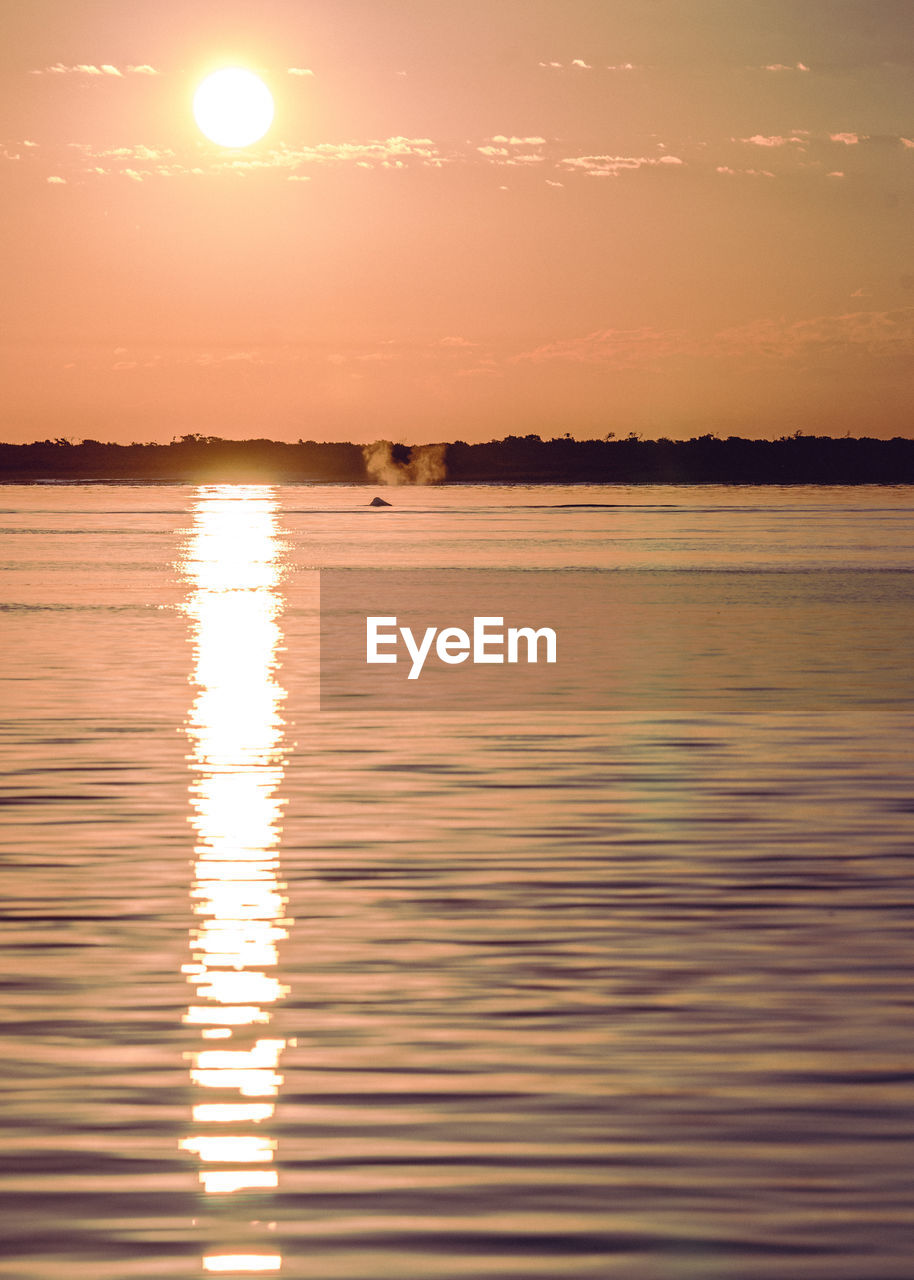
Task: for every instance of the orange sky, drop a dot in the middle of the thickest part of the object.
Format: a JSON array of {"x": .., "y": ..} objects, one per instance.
[{"x": 467, "y": 220}]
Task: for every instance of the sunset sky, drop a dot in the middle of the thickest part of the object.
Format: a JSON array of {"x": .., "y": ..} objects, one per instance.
[{"x": 466, "y": 221}]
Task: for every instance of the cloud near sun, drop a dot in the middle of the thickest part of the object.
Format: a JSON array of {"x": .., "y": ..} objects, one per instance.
[
  {"x": 885, "y": 335},
  {"x": 794, "y": 157},
  {"x": 91, "y": 69},
  {"x": 798, "y": 154},
  {"x": 816, "y": 341}
]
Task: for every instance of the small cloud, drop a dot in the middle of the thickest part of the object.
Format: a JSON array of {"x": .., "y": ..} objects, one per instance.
[
  {"x": 55, "y": 181},
  {"x": 859, "y": 293},
  {"x": 550, "y": 183},
  {"x": 905, "y": 142},
  {"x": 836, "y": 173},
  {"x": 870, "y": 334},
  {"x": 771, "y": 140},
  {"x": 28, "y": 143},
  {"x": 455, "y": 342},
  {"x": 849, "y": 139},
  {"x": 581, "y": 64},
  {"x": 299, "y": 177},
  {"x": 551, "y": 66},
  {"x": 622, "y": 66},
  {"x": 300, "y": 71},
  {"x": 749, "y": 173},
  {"x": 515, "y": 141},
  {"x": 90, "y": 69},
  {"x": 504, "y": 150},
  {"x": 612, "y": 166},
  {"x": 784, "y": 66}
]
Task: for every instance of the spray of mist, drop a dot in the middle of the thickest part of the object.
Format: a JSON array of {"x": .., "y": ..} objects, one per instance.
[{"x": 425, "y": 466}]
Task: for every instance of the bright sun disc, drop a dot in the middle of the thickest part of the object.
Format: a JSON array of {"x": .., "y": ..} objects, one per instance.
[{"x": 233, "y": 107}]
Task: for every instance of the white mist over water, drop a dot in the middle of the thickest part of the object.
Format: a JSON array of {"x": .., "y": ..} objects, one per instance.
[{"x": 426, "y": 464}]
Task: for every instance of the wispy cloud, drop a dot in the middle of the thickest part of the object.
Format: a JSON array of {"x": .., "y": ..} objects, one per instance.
[
  {"x": 513, "y": 151},
  {"x": 95, "y": 69},
  {"x": 750, "y": 173},
  {"x": 300, "y": 71},
  {"x": 141, "y": 162},
  {"x": 138, "y": 163},
  {"x": 786, "y": 66},
  {"x": 797, "y": 154},
  {"x": 613, "y": 166},
  {"x": 578, "y": 64},
  {"x": 883, "y": 335},
  {"x": 773, "y": 140},
  {"x": 615, "y": 348}
]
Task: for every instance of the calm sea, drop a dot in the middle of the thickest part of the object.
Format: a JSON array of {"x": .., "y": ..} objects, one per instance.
[{"x": 474, "y": 994}]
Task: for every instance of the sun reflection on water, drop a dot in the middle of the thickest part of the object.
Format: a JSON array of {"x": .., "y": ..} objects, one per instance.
[{"x": 235, "y": 730}]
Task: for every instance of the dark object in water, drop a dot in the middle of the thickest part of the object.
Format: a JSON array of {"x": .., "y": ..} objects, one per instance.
[{"x": 379, "y": 502}]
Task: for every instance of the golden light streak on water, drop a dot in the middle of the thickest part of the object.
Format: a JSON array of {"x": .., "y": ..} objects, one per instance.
[
  {"x": 230, "y": 1112},
  {"x": 250, "y": 1084},
  {"x": 235, "y": 732},
  {"x": 243, "y": 1262},
  {"x": 226, "y": 1014},
  {"x": 227, "y": 1149},
  {"x": 227, "y": 1182}
]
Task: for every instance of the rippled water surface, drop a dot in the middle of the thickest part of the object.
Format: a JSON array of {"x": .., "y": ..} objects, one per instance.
[{"x": 478, "y": 994}]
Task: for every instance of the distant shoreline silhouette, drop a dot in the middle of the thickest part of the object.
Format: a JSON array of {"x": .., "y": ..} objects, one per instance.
[{"x": 705, "y": 459}]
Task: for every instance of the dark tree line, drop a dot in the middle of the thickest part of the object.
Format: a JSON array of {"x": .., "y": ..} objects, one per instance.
[
  {"x": 795, "y": 459},
  {"x": 192, "y": 458}
]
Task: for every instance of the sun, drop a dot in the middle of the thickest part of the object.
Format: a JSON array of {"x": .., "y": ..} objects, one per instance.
[{"x": 233, "y": 107}]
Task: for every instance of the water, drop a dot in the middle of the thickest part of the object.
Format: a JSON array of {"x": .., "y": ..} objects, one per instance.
[{"x": 473, "y": 994}]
